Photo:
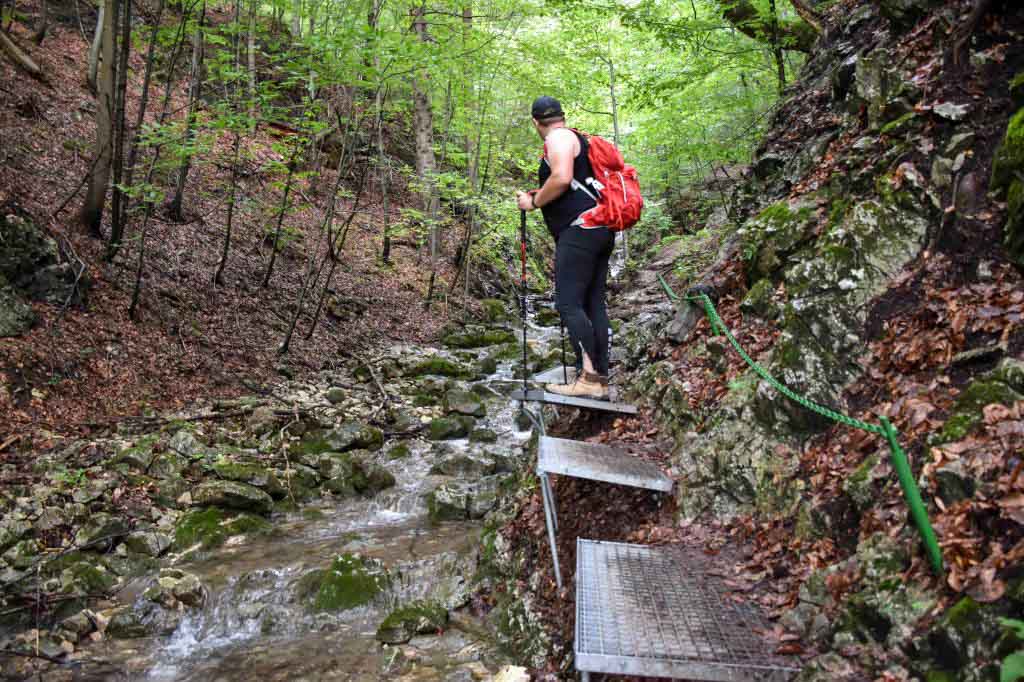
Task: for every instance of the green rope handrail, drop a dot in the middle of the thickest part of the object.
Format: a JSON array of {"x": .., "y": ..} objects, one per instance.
[{"x": 884, "y": 429}]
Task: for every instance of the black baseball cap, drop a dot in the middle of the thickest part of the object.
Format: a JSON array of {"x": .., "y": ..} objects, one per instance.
[{"x": 546, "y": 107}]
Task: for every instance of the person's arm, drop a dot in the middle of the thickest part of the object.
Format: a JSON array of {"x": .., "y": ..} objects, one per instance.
[{"x": 561, "y": 149}]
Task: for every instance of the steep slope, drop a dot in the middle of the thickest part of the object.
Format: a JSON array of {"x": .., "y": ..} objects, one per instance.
[{"x": 863, "y": 262}]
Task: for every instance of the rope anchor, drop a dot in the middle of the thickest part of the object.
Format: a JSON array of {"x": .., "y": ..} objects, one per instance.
[{"x": 898, "y": 457}]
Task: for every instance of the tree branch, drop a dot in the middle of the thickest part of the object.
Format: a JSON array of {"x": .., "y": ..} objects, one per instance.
[{"x": 793, "y": 35}]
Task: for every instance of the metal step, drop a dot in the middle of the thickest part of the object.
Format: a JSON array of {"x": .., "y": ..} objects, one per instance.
[
  {"x": 586, "y": 403},
  {"x": 658, "y": 612},
  {"x": 555, "y": 375},
  {"x": 599, "y": 463}
]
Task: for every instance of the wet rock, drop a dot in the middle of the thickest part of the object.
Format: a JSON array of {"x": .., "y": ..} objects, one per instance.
[
  {"x": 398, "y": 451},
  {"x": 174, "y": 587},
  {"x": 232, "y": 495},
  {"x": 418, "y": 618},
  {"x": 445, "y": 428},
  {"x": 149, "y": 543},
  {"x": 457, "y": 401},
  {"x": 483, "y": 435},
  {"x": 16, "y": 316},
  {"x": 209, "y": 528},
  {"x": 477, "y": 337},
  {"x": 348, "y": 473},
  {"x": 460, "y": 500},
  {"x": 350, "y": 581},
  {"x": 488, "y": 366},
  {"x": 463, "y": 464}
]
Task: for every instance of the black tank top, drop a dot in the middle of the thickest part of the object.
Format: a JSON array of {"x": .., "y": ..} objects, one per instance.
[{"x": 560, "y": 213}]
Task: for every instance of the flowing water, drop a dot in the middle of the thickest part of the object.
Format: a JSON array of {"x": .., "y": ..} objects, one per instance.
[{"x": 253, "y": 627}]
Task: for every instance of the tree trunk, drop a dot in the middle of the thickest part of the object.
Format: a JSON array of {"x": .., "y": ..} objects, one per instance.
[
  {"x": 280, "y": 214},
  {"x": 91, "y": 215},
  {"x": 140, "y": 117},
  {"x": 120, "y": 98},
  {"x": 175, "y": 208},
  {"x": 426, "y": 165},
  {"x": 94, "y": 48},
  {"x": 615, "y": 134},
  {"x": 42, "y": 24},
  {"x": 236, "y": 145},
  {"x": 251, "y": 54},
  {"x": 19, "y": 57},
  {"x": 780, "y": 63}
]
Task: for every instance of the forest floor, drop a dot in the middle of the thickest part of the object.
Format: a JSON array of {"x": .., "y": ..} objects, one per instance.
[{"x": 81, "y": 367}]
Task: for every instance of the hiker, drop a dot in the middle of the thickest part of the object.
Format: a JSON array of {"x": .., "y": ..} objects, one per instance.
[{"x": 581, "y": 253}]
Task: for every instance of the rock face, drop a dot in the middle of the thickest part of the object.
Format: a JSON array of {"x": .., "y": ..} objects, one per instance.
[
  {"x": 16, "y": 316},
  {"x": 1007, "y": 172}
]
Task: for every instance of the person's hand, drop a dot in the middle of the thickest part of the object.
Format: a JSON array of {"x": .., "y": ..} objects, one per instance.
[{"x": 524, "y": 201}]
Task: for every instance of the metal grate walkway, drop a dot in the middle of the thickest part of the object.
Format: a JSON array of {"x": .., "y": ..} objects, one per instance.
[
  {"x": 599, "y": 463},
  {"x": 657, "y": 612},
  {"x": 586, "y": 403},
  {"x": 592, "y": 461}
]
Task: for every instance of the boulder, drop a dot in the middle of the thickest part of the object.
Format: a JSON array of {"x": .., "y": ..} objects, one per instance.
[
  {"x": 101, "y": 530},
  {"x": 149, "y": 543},
  {"x": 460, "y": 500},
  {"x": 185, "y": 443},
  {"x": 26, "y": 249},
  {"x": 211, "y": 527},
  {"x": 418, "y": 618},
  {"x": 457, "y": 401},
  {"x": 232, "y": 495},
  {"x": 439, "y": 366},
  {"x": 59, "y": 283},
  {"x": 446, "y": 428},
  {"x": 482, "y": 435},
  {"x": 463, "y": 465},
  {"x": 253, "y": 474},
  {"x": 16, "y": 316},
  {"x": 353, "y": 435}
]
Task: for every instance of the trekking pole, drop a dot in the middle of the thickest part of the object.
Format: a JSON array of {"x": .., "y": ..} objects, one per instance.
[
  {"x": 522, "y": 288},
  {"x": 565, "y": 369}
]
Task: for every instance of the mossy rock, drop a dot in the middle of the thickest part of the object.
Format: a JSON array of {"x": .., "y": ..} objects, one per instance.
[
  {"x": 758, "y": 301},
  {"x": 86, "y": 577},
  {"x": 398, "y": 451},
  {"x": 482, "y": 435},
  {"x": 418, "y": 618},
  {"x": 354, "y": 435},
  {"x": 252, "y": 474},
  {"x": 967, "y": 411},
  {"x": 772, "y": 237},
  {"x": 138, "y": 456},
  {"x": 547, "y": 317},
  {"x": 458, "y": 401},
  {"x": 210, "y": 528},
  {"x": 1009, "y": 157},
  {"x": 488, "y": 366},
  {"x": 1013, "y": 231},
  {"x": 477, "y": 338},
  {"x": 16, "y": 316},
  {"x": 902, "y": 125},
  {"x": 859, "y": 485},
  {"x": 446, "y": 428},
  {"x": 438, "y": 366},
  {"x": 232, "y": 495},
  {"x": 350, "y": 581},
  {"x": 494, "y": 310},
  {"x": 1017, "y": 89}
]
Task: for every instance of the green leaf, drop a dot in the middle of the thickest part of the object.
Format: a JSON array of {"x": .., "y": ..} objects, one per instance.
[{"x": 1013, "y": 667}]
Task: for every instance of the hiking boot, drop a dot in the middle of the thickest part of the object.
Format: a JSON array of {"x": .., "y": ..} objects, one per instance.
[{"x": 587, "y": 385}]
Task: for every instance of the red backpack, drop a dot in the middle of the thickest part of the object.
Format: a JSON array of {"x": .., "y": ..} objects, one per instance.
[{"x": 619, "y": 202}]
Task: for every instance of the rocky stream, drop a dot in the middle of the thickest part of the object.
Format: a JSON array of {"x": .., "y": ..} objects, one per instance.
[{"x": 284, "y": 535}]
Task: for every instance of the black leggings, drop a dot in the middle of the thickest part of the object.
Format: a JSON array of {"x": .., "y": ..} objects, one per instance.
[{"x": 581, "y": 271}]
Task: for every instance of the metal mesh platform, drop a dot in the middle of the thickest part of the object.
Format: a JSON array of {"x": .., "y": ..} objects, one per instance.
[
  {"x": 585, "y": 403},
  {"x": 599, "y": 463},
  {"x": 657, "y": 612}
]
